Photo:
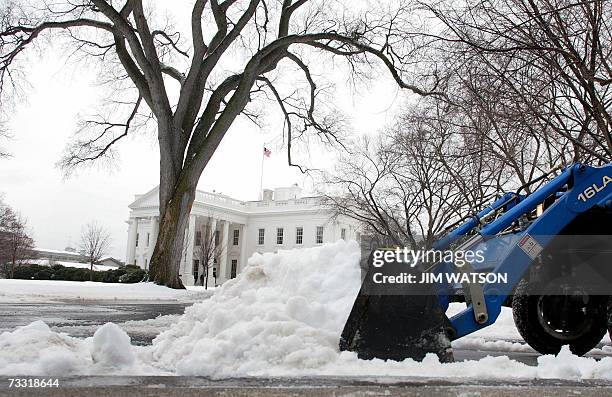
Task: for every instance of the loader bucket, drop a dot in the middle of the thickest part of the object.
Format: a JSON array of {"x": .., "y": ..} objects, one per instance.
[{"x": 396, "y": 321}]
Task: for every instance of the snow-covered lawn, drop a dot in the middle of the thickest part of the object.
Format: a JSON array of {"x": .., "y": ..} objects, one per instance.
[
  {"x": 34, "y": 291},
  {"x": 281, "y": 317}
]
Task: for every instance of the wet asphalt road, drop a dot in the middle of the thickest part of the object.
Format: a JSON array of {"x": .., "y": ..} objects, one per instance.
[
  {"x": 81, "y": 319},
  {"x": 315, "y": 387}
]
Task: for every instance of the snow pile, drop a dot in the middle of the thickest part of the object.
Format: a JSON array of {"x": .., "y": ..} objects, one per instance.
[
  {"x": 284, "y": 313},
  {"x": 152, "y": 326},
  {"x": 281, "y": 317},
  {"x": 112, "y": 347},
  {"x": 36, "y": 350}
]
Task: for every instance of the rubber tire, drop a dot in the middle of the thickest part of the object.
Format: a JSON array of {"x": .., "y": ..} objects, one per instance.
[{"x": 525, "y": 313}]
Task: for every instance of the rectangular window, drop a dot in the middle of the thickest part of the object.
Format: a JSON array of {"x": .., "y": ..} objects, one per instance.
[
  {"x": 198, "y": 238},
  {"x": 358, "y": 237},
  {"x": 236, "y": 236},
  {"x": 137, "y": 238},
  {"x": 343, "y": 234},
  {"x": 261, "y": 233},
  {"x": 319, "y": 237},
  {"x": 146, "y": 263},
  {"x": 216, "y": 237},
  {"x": 299, "y": 235},
  {"x": 196, "y": 268},
  {"x": 148, "y": 238},
  {"x": 279, "y": 235},
  {"x": 234, "y": 267}
]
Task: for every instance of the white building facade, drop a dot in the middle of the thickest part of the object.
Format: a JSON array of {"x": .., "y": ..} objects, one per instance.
[{"x": 224, "y": 232}]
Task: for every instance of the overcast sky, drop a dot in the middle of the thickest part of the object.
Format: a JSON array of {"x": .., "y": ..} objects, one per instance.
[{"x": 57, "y": 208}]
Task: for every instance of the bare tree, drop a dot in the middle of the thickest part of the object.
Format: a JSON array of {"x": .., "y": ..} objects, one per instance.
[
  {"x": 145, "y": 59},
  {"x": 500, "y": 132},
  {"x": 207, "y": 249},
  {"x": 95, "y": 243},
  {"x": 501, "y": 145},
  {"x": 548, "y": 61},
  {"x": 399, "y": 200},
  {"x": 421, "y": 175},
  {"x": 361, "y": 189},
  {"x": 15, "y": 242},
  {"x": 478, "y": 139},
  {"x": 4, "y": 136}
]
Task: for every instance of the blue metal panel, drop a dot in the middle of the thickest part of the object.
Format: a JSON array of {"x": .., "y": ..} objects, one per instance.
[
  {"x": 471, "y": 223},
  {"x": 528, "y": 204},
  {"x": 590, "y": 186}
]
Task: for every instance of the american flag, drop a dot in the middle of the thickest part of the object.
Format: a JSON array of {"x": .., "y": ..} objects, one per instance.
[{"x": 267, "y": 152}]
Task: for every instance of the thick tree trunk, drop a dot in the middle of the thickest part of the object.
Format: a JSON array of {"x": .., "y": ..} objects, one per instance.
[
  {"x": 206, "y": 278},
  {"x": 177, "y": 187},
  {"x": 166, "y": 260}
]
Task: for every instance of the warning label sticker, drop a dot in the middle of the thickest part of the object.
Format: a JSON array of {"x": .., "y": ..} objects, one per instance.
[{"x": 530, "y": 246}]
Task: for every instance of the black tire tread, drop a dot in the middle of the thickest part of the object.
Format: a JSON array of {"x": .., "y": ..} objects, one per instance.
[{"x": 528, "y": 326}]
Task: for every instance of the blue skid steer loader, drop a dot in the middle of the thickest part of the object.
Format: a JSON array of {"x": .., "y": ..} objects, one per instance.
[{"x": 547, "y": 254}]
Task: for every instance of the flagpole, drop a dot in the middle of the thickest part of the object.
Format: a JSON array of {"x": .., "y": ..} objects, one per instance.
[{"x": 262, "y": 170}]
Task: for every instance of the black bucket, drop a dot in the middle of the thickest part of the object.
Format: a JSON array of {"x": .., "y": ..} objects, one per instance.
[{"x": 398, "y": 320}]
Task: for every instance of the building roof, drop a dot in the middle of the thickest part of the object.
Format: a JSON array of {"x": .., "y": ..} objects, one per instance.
[
  {"x": 226, "y": 203},
  {"x": 58, "y": 252},
  {"x": 43, "y": 256},
  {"x": 111, "y": 259}
]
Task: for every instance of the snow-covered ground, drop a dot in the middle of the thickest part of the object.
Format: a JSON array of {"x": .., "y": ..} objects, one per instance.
[
  {"x": 31, "y": 291},
  {"x": 281, "y": 317}
]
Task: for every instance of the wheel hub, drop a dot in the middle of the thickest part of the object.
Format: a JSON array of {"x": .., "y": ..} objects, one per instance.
[{"x": 566, "y": 317}]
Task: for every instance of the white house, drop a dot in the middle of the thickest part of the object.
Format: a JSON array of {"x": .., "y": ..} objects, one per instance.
[{"x": 283, "y": 219}]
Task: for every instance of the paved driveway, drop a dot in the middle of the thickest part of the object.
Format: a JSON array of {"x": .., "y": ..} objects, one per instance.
[{"x": 316, "y": 387}]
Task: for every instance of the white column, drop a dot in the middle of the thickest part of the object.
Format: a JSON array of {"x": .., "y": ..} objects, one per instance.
[
  {"x": 187, "y": 276},
  {"x": 243, "y": 248},
  {"x": 224, "y": 241},
  {"x": 152, "y": 238},
  {"x": 131, "y": 246},
  {"x": 213, "y": 226}
]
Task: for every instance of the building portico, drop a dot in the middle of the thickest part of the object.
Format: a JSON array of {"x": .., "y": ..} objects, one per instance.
[{"x": 223, "y": 232}]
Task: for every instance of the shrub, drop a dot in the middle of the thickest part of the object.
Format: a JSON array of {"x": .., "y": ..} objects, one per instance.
[
  {"x": 28, "y": 272},
  {"x": 133, "y": 274},
  {"x": 127, "y": 274}
]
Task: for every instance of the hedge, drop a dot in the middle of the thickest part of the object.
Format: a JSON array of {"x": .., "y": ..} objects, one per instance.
[{"x": 127, "y": 274}]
